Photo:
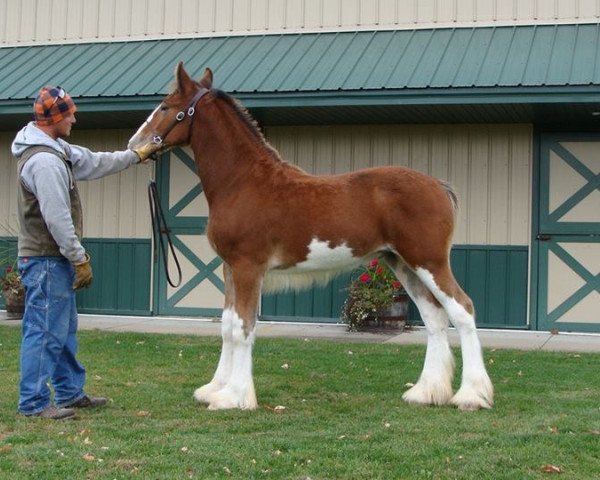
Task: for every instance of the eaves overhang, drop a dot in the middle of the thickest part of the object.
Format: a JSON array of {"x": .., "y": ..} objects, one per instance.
[
  {"x": 533, "y": 74},
  {"x": 541, "y": 105},
  {"x": 383, "y": 97}
]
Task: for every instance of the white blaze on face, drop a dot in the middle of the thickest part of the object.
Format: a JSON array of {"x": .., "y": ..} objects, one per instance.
[{"x": 133, "y": 141}]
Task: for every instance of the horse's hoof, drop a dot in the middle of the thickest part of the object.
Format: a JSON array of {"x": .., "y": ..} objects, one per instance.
[
  {"x": 469, "y": 398},
  {"x": 204, "y": 393},
  {"x": 227, "y": 398},
  {"x": 471, "y": 405},
  {"x": 218, "y": 405},
  {"x": 420, "y": 395},
  {"x": 223, "y": 400}
]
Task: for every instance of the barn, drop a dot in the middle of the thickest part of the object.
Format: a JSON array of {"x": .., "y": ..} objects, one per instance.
[{"x": 501, "y": 99}]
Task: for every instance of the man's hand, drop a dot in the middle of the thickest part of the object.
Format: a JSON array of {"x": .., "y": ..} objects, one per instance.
[{"x": 83, "y": 274}]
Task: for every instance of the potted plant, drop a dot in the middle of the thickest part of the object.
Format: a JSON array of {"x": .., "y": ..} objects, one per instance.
[
  {"x": 10, "y": 279},
  {"x": 12, "y": 290},
  {"x": 376, "y": 300}
]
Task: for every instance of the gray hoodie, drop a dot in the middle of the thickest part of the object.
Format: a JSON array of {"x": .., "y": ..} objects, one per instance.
[{"x": 46, "y": 176}]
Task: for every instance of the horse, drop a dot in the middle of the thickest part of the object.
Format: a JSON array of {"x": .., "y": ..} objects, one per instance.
[{"x": 277, "y": 227}]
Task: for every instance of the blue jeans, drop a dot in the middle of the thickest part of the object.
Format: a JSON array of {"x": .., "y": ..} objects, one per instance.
[{"x": 49, "y": 344}]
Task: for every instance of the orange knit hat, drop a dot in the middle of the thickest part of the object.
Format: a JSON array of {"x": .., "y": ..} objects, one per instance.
[{"x": 52, "y": 105}]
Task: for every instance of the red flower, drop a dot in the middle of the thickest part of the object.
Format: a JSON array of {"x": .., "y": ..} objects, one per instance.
[
  {"x": 8, "y": 269},
  {"x": 380, "y": 270},
  {"x": 396, "y": 285},
  {"x": 365, "y": 277},
  {"x": 374, "y": 263}
]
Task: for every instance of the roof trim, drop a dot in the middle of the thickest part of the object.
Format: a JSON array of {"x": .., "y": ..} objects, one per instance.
[{"x": 504, "y": 68}]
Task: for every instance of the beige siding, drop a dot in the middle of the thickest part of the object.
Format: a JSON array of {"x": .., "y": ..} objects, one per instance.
[
  {"x": 114, "y": 207},
  {"x": 36, "y": 21},
  {"x": 489, "y": 166},
  {"x": 8, "y": 188}
]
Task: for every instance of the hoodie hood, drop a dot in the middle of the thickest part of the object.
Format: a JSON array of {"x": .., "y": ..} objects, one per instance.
[{"x": 30, "y": 135}]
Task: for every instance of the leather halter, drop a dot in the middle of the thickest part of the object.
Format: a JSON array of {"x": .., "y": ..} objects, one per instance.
[{"x": 191, "y": 109}]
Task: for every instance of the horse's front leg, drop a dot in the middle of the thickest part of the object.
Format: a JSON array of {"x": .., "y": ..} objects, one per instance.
[
  {"x": 238, "y": 391},
  {"x": 223, "y": 372}
]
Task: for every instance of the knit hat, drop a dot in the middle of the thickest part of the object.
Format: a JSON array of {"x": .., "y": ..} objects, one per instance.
[{"x": 52, "y": 105}]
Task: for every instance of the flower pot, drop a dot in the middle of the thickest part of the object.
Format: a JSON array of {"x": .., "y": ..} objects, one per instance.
[
  {"x": 392, "y": 318},
  {"x": 382, "y": 323},
  {"x": 366, "y": 307},
  {"x": 391, "y": 322},
  {"x": 14, "y": 300}
]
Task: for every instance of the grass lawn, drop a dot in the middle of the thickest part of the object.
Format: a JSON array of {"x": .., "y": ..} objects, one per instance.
[{"x": 343, "y": 417}]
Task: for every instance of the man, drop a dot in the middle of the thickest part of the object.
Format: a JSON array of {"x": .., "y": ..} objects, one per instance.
[{"x": 52, "y": 261}]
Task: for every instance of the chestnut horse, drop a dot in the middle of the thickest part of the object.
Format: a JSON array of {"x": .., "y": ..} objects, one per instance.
[{"x": 277, "y": 227}]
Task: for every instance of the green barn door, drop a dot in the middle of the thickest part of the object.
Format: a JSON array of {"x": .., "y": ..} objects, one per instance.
[
  {"x": 186, "y": 212},
  {"x": 568, "y": 286}
]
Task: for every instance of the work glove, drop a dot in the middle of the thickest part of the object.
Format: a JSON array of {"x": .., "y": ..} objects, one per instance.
[
  {"x": 148, "y": 151},
  {"x": 83, "y": 274}
]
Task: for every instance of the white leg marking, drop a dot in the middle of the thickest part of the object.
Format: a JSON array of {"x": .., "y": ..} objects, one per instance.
[
  {"x": 476, "y": 390},
  {"x": 223, "y": 372},
  {"x": 238, "y": 392},
  {"x": 435, "y": 383}
]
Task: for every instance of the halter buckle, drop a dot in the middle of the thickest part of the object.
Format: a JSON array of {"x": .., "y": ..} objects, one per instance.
[
  {"x": 157, "y": 139},
  {"x": 191, "y": 111},
  {"x": 180, "y": 116}
]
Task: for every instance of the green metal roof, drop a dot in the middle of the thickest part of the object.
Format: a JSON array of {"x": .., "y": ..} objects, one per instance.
[{"x": 509, "y": 66}]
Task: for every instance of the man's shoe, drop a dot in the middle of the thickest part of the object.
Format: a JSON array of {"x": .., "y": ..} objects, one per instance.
[
  {"x": 55, "y": 413},
  {"x": 88, "y": 402}
]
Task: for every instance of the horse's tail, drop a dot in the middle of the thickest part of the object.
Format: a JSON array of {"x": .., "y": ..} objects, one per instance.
[{"x": 451, "y": 194}]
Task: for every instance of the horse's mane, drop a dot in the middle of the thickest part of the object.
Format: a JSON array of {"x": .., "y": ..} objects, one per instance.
[{"x": 248, "y": 120}]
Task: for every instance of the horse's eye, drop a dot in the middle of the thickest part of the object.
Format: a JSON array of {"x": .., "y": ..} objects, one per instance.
[{"x": 164, "y": 108}]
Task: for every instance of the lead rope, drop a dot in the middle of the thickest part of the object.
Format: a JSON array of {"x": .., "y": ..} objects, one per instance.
[{"x": 160, "y": 228}]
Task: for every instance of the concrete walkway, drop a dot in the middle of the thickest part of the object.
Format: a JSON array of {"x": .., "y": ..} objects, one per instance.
[{"x": 523, "y": 340}]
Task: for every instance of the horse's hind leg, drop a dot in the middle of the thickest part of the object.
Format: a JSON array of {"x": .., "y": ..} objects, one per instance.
[
  {"x": 476, "y": 390},
  {"x": 434, "y": 386}
]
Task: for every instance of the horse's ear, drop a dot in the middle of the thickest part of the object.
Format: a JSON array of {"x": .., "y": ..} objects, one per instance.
[
  {"x": 207, "y": 79},
  {"x": 183, "y": 79}
]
